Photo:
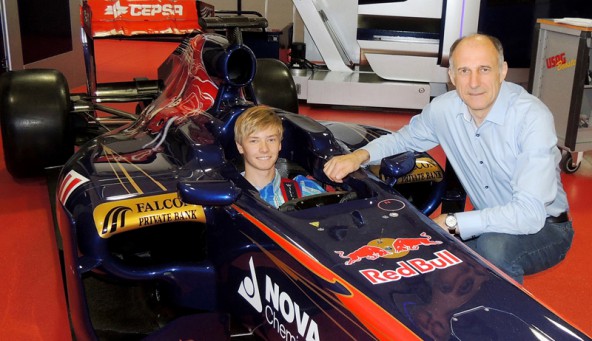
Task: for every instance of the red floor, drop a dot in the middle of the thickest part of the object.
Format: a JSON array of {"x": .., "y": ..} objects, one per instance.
[{"x": 32, "y": 305}]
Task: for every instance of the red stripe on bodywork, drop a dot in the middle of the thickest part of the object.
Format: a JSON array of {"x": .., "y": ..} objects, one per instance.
[
  {"x": 62, "y": 184},
  {"x": 382, "y": 324},
  {"x": 68, "y": 189}
]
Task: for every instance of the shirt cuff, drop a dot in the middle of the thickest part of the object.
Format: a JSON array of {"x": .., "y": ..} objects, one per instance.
[
  {"x": 469, "y": 224},
  {"x": 371, "y": 152}
]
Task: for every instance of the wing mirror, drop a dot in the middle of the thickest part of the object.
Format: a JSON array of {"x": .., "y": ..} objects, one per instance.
[
  {"x": 208, "y": 193},
  {"x": 396, "y": 166}
]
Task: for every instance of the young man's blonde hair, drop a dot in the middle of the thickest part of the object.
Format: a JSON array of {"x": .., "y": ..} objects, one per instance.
[{"x": 254, "y": 119}]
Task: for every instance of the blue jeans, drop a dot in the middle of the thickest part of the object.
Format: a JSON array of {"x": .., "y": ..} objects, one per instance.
[{"x": 519, "y": 255}]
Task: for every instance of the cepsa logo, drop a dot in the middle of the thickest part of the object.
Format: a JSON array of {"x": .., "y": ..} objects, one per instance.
[
  {"x": 560, "y": 62},
  {"x": 145, "y": 9},
  {"x": 120, "y": 216},
  {"x": 279, "y": 308}
]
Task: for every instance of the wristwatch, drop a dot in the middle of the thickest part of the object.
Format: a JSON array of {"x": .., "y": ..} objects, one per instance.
[{"x": 451, "y": 223}]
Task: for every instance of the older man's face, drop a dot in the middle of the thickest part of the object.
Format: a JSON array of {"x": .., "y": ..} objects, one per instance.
[{"x": 477, "y": 75}]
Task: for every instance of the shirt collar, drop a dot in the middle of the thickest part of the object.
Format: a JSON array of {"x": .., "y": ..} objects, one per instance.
[
  {"x": 499, "y": 110},
  {"x": 275, "y": 182}
]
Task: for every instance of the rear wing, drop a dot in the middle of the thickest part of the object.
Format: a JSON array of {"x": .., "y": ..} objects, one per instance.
[{"x": 105, "y": 18}]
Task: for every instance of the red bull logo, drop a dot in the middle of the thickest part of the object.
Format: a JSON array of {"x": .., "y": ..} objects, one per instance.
[
  {"x": 397, "y": 248},
  {"x": 409, "y": 244},
  {"x": 387, "y": 248},
  {"x": 365, "y": 252},
  {"x": 411, "y": 268}
]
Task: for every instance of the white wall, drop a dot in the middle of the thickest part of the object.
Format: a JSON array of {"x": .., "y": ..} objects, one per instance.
[{"x": 278, "y": 12}]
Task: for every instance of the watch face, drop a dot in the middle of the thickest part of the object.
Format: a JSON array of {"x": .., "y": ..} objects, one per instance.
[{"x": 450, "y": 221}]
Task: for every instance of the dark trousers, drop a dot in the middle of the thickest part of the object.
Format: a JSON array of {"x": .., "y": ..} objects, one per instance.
[{"x": 519, "y": 255}]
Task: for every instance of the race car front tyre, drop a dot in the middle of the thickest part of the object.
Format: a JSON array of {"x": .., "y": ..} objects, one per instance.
[{"x": 34, "y": 117}]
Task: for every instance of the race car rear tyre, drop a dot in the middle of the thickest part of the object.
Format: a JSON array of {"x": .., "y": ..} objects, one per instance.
[
  {"x": 274, "y": 85},
  {"x": 34, "y": 114}
]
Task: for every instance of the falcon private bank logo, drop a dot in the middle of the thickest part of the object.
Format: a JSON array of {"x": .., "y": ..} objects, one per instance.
[
  {"x": 559, "y": 62},
  {"x": 113, "y": 217}
]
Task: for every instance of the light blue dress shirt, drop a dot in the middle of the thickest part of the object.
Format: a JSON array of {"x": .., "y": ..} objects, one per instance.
[{"x": 509, "y": 166}]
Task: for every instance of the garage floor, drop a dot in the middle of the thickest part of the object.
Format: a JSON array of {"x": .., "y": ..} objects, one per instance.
[{"x": 32, "y": 304}]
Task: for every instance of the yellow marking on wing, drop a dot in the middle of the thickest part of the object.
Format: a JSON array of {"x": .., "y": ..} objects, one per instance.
[
  {"x": 109, "y": 153},
  {"x": 157, "y": 183}
]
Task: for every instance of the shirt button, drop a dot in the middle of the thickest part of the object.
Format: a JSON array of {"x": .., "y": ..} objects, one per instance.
[
  {"x": 477, "y": 135},
  {"x": 480, "y": 162},
  {"x": 486, "y": 187}
]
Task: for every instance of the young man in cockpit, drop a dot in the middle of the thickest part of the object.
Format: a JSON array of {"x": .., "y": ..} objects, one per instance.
[{"x": 258, "y": 135}]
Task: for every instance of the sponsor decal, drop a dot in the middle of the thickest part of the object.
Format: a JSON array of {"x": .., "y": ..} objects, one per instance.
[
  {"x": 387, "y": 248},
  {"x": 411, "y": 268},
  {"x": 281, "y": 312},
  {"x": 120, "y": 216},
  {"x": 426, "y": 169},
  {"x": 132, "y": 17},
  {"x": 560, "y": 62},
  {"x": 144, "y": 9},
  {"x": 391, "y": 205},
  {"x": 413, "y": 244},
  {"x": 71, "y": 181},
  {"x": 365, "y": 252}
]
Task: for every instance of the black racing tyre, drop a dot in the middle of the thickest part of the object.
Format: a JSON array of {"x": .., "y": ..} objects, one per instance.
[
  {"x": 274, "y": 85},
  {"x": 34, "y": 117}
]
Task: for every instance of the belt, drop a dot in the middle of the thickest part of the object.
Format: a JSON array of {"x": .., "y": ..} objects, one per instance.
[{"x": 561, "y": 218}]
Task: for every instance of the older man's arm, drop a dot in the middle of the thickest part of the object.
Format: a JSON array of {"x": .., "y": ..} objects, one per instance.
[{"x": 340, "y": 166}]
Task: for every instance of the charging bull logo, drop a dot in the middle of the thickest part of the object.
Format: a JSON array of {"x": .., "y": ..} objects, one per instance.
[
  {"x": 387, "y": 248},
  {"x": 365, "y": 252},
  {"x": 409, "y": 244}
]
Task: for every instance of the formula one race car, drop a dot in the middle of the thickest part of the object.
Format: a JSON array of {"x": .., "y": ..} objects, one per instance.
[{"x": 163, "y": 239}]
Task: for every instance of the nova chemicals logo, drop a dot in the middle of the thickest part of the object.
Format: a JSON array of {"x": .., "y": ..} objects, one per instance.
[
  {"x": 249, "y": 289},
  {"x": 281, "y": 312}
]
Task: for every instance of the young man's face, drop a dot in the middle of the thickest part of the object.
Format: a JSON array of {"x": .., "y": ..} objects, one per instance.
[
  {"x": 260, "y": 150},
  {"x": 477, "y": 74}
]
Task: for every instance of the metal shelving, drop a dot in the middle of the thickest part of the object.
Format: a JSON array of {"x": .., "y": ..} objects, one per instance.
[{"x": 560, "y": 76}]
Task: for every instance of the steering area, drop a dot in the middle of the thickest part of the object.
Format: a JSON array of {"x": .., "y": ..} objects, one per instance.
[{"x": 317, "y": 200}]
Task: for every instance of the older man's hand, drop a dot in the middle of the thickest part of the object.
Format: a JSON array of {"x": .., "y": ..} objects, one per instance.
[
  {"x": 441, "y": 221},
  {"x": 340, "y": 166}
]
